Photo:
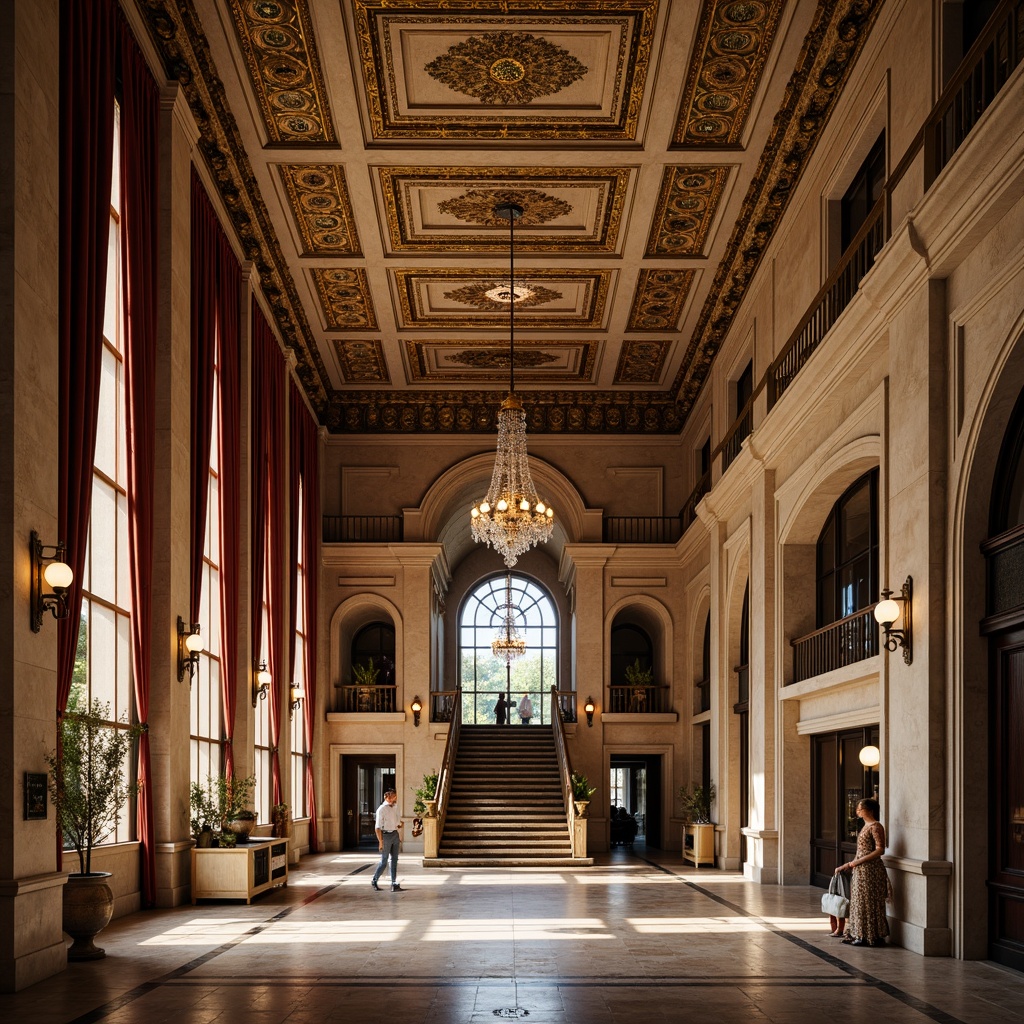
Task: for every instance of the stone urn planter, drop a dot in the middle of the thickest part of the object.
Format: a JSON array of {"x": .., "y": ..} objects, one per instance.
[
  {"x": 581, "y": 808},
  {"x": 88, "y": 907},
  {"x": 242, "y": 827},
  {"x": 431, "y": 811}
]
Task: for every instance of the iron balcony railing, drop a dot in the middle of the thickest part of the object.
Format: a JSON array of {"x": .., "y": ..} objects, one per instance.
[
  {"x": 642, "y": 529},
  {"x": 367, "y": 699},
  {"x": 738, "y": 433},
  {"x": 840, "y": 643},
  {"x": 362, "y": 529},
  {"x": 637, "y": 700},
  {"x": 688, "y": 512},
  {"x": 442, "y": 704}
]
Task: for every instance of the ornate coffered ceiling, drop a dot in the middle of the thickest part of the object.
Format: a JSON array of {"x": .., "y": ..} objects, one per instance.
[{"x": 360, "y": 147}]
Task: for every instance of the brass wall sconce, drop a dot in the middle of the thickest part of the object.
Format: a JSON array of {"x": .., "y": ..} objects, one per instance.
[
  {"x": 52, "y": 570},
  {"x": 888, "y": 612},
  {"x": 588, "y": 710},
  {"x": 416, "y": 707},
  {"x": 260, "y": 682},
  {"x": 190, "y": 644},
  {"x": 295, "y": 698}
]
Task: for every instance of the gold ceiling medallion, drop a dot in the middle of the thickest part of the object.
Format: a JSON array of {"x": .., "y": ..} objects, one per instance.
[
  {"x": 361, "y": 361},
  {"x": 730, "y": 50},
  {"x": 491, "y": 359},
  {"x": 477, "y": 206},
  {"x": 658, "y": 300},
  {"x": 495, "y": 295},
  {"x": 640, "y": 362},
  {"x": 506, "y": 68},
  {"x": 686, "y": 207},
  {"x": 318, "y": 196},
  {"x": 277, "y": 41},
  {"x": 345, "y": 299}
]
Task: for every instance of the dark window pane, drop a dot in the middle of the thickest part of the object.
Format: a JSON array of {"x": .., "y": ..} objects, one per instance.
[
  {"x": 827, "y": 547},
  {"x": 855, "y": 524}
]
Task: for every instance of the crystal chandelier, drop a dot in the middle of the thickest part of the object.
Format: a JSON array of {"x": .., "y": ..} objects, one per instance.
[
  {"x": 508, "y": 645},
  {"x": 511, "y": 518}
]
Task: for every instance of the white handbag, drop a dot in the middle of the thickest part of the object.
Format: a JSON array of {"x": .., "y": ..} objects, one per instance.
[{"x": 836, "y": 902}]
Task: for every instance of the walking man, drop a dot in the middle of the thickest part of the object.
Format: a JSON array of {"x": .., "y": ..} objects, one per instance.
[{"x": 388, "y": 826}]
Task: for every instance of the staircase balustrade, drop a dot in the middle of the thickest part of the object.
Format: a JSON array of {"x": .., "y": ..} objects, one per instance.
[
  {"x": 577, "y": 826},
  {"x": 432, "y": 835}
]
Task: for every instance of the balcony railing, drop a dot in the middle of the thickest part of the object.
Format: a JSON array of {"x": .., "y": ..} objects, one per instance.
[
  {"x": 833, "y": 297},
  {"x": 637, "y": 700},
  {"x": 362, "y": 529},
  {"x": 442, "y": 704},
  {"x": 566, "y": 700},
  {"x": 688, "y": 512},
  {"x": 737, "y": 433},
  {"x": 840, "y": 643},
  {"x": 642, "y": 529},
  {"x": 367, "y": 699}
]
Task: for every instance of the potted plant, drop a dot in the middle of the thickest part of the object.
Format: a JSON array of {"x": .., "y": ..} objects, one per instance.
[
  {"x": 89, "y": 789},
  {"x": 281, "y": 820},
  {"x": 697, "y": 800},
  {"x": 365, "y": 677},
  {"x": 582, "y": 791},
  {"x": 222, "y": 801},
  {"x": 638, "y": 679},
  {"x": 426, "y": 805}
]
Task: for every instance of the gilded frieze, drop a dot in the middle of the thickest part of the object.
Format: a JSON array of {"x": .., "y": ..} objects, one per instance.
[
  {"x": 475, "y": 412},
  {"x": 566, "y": 210},
  {"x": 419, "y": 59},
  {"x": 659, "y": 299},
  {"x": 640, "y": 362},
  {"x": 454, "y": 362},
  {"x": 318, "y": 196},
  {"x": 276, "y": 38},
  {"x": 345, "y": 299},
  {"x": 443, "y": 298},
  {"x": 361, "y": 360},
  {"x": 686, "y": 206},
  {"x": 729, "y": 54},
  {"x": 830, "y": 48}
]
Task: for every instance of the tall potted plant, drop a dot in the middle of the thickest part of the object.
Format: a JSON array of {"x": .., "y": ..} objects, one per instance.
[
  {"x": 698, "y": 828},
  {"x": 89, "y": 789}
]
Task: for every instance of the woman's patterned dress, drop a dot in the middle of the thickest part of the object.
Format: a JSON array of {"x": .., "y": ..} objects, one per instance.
[{"x": 869, "y": 890}]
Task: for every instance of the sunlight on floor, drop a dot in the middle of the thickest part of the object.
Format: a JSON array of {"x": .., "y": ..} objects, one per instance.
[{"x": 507, "y": 929}]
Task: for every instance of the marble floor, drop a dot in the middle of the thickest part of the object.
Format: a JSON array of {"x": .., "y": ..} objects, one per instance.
[{"x": 636, "y": 937}]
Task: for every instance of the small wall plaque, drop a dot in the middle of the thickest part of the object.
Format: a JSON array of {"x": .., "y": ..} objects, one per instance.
[{"x": 35, "y": 795}]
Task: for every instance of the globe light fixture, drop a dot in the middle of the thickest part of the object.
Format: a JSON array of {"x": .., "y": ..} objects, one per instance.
[{"x": 511, "y": 518}]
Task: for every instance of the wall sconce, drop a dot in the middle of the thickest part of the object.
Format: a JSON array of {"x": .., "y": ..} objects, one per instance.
[
  {"x": 416, "y": 707},
  {"x": 55, "y": 573},
  {"x": 260, "y": 682},
  {"x": 588, "y": 710},
  {"x": 295, "y": 698},
  {"x": 888, "y": 611},
  {"x": 870, "y": 757},
  {"x": 190, "y": 643}
]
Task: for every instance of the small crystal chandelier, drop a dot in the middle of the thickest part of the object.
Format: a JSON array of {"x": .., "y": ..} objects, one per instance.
[
  {"x": 508, "y": 645},
  {"x": 511, "y": 518}
]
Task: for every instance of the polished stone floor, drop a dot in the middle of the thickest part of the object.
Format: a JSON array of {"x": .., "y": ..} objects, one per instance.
[{"x": 637, "y": 937}]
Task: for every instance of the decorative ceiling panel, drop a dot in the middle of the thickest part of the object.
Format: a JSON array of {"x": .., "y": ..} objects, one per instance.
[
  {"x": 277, "y": 42},
  {"x": 729, "y": 55},
  {"x": 640, "y": 362},
  {"x": 345, "y": 299},
  {"x": 518, "y": 69},
  {"x": 319, "y": 200},
  {"x": 451, "y": 209},
  {"x": 361, "y": 360},
  {"x": 486, "y": 362},
  {"x": 443, "y": 299},
  {"x": 659, "y": 298},
  {"x": 685, "y": 209}
]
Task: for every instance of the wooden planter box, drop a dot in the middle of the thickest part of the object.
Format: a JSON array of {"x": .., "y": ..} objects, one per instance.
[
  {"x": 699, "y": 844},
  {"x": 240, "y": 872}
]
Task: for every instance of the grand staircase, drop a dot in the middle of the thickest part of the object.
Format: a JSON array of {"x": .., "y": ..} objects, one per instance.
[{"x": 506, "y": 806}]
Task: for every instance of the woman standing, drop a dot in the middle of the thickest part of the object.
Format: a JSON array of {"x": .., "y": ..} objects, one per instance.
[{"x": 866, "y": 924}]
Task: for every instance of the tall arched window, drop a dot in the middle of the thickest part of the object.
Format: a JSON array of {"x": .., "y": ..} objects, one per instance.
[{"x": 483, "y": 676}]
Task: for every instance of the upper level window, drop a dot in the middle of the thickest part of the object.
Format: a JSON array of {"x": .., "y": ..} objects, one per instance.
[
  {"x": 744, "y": 388},
  {"x": 864, "y": 191},
  {"x": 376, "y": 643},
  {"x": 629, "y": 644},
  {"x": 847, "y": 553}
]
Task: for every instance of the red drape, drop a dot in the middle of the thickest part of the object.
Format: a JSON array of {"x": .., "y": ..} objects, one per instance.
[
  {"x": 140, "y": 116},
  {"x": 305, "y": 471},
  {"x": 88, "y": 49},
  {"x": 268, "y": 380},
  {"x": 216, "y": 282}
]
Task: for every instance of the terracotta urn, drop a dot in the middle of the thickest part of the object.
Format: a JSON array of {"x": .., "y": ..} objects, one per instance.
[{"x": 88, "y": 907}]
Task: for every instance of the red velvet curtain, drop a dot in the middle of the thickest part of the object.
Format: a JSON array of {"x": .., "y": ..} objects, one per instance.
[
  {"x": 216, "y": 282},
  {"x": 140, "y": 117},
  {"x": 305, "y": 471},
  {"x": 268, "y": 380}
]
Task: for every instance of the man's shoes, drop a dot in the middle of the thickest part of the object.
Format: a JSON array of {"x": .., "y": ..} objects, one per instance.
[
  {"x": 375, "y": 886},
  {"x": 397, "y": 888}
]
